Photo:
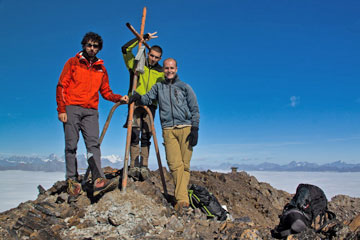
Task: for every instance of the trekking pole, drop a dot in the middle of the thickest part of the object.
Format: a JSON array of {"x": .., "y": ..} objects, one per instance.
[
  {"x": 103, "y": 132},
  {"x": 156, "y": 149},
  {"x": 131, "y": 113}
]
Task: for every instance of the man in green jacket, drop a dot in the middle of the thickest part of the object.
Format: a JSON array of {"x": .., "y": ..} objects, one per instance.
[{"x": 141, "y": 130}]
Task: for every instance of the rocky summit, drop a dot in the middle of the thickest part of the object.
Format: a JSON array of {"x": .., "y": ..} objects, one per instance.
[{"x": 143, "y": 211}]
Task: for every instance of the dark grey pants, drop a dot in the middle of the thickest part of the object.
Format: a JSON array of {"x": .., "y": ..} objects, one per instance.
[{"x": 87, "y": 121}]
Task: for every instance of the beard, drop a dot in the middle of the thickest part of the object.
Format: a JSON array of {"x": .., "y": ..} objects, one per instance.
[{"x": 89, "y": 56}]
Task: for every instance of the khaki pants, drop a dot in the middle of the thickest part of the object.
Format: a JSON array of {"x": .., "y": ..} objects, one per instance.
[{"x": 178, "y": 156}]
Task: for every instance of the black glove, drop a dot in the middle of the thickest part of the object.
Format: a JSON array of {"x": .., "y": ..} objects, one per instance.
[
  {"x": 135, "y": 98},
  {"x": 193, "y": 136},
  {"x": 146, "y": 37}
]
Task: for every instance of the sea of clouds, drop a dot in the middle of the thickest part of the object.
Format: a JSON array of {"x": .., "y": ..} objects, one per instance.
[{"x": 20, "y": 186}]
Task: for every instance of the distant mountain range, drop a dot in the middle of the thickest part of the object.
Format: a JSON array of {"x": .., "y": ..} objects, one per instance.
[
  {"x": 338, "y": 166},
  {"x": 53, "y": 163}
]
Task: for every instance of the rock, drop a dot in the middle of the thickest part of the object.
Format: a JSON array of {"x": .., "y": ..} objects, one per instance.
[
  {"x": 355, "y": 224},
  {"x": 190, "y": 232},
  {"x": 175, "y": 224},
  {"x": 144, "y": 212},
  {"x": 115, "y": 220},
  {"x": 41, "y": 189},
  {"x": 58, "y": 187},
  {"x": 252, "y": 234}
]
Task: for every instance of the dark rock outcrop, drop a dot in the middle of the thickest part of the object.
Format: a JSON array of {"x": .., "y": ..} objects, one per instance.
[{"x": 143, "y": 212}]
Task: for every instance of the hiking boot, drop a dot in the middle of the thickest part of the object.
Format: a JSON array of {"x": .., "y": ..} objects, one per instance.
[
  {"x": 181, "y": 205},
  {"x": 134, "y": 172},
  {"x": 183, "y": 208},
  {"x": 144, "y": 173},
  {"x": 102, "y": 185},
  {"x": 74, "y": 190}
]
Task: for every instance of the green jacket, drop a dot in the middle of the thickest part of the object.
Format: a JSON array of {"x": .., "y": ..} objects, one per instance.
[{"x": 151, "y": 75}]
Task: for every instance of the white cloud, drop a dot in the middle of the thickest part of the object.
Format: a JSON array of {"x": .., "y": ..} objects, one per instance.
[{"x": 294, "y": 101}]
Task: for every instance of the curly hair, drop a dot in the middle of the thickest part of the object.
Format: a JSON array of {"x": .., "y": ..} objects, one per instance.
[{"x": 91, "y": 36}]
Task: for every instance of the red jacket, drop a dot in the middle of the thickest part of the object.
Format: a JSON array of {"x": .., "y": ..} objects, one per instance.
[{"x": 80, "y": 83}]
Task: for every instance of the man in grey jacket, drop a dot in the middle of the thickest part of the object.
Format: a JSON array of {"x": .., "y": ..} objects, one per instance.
[{"x": 179, "y": 116}]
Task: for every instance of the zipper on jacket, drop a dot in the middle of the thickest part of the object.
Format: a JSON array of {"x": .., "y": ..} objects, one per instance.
[
  {"x": 147, "y": 84},
  {"x": 88, "y": 65},
  {"x": 171, "y": 105}
]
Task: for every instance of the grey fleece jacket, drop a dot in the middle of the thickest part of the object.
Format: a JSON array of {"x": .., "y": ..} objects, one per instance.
[{"x": 177, "y": 103}]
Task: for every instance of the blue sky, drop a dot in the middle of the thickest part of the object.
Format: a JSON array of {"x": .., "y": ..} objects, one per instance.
[{"x": 276, "y": 81}]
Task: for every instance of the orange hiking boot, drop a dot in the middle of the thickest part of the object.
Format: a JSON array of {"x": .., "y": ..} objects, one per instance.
[
  {"x": 102, "y": 185},
  {"x": 74, "y": 190}
]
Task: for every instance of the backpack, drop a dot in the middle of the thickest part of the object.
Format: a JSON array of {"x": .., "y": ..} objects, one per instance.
[
  {"x": 200, "y": 197},
  {"x": 307, "y": 209}
]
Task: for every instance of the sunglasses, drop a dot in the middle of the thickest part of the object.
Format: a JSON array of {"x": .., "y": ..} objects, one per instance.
[{"x": 89, "y": 45}]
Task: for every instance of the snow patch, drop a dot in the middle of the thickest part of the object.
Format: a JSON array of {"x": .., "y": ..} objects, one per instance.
[{"x": 112, "y": 158}]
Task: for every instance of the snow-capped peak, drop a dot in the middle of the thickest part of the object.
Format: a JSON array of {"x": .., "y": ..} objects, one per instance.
[{"x": 112, "y": 158}]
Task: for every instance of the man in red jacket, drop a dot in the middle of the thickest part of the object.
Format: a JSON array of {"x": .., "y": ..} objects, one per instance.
[{"x": 77, "y": 96}]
